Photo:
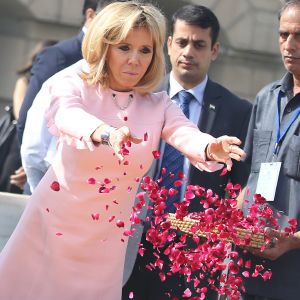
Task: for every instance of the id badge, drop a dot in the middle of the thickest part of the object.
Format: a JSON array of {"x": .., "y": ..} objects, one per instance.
[{"x": 268, "y": 179}]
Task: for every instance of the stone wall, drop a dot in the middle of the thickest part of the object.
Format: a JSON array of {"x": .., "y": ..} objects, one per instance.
[{"x": 249, "y": 58}]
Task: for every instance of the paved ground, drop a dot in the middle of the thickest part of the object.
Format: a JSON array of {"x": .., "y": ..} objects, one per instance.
[{"x": 11, "y": 208}]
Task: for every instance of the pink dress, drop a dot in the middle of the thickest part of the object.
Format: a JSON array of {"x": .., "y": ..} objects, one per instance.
[{"x": 67, "y": 245}]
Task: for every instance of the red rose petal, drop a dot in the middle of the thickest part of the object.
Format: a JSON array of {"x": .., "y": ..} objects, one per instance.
[
  {"x": 95, "y": 216},
  {"x": 91, "y": 181},
  {"x": 156, "y": 154},
  {"x": 224, "y": 172},
  {"x": 120, "y": 223},
  {"x": 55, "y": 186},
  {"x": 145, "y": 136}
]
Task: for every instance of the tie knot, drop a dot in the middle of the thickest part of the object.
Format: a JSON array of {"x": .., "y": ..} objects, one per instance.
[{"x": 185, "y": 97}]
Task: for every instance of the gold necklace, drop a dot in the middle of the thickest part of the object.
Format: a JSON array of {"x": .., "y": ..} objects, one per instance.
[{"x": 130, "y": 98}]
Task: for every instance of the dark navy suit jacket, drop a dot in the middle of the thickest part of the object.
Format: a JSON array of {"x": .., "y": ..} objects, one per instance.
[
  {"x": 50, "y": 61},
  {"x": 222, "y": 113}
]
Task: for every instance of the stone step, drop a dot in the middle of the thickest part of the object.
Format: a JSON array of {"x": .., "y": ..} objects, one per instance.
[{"x": 11, "y": 209}]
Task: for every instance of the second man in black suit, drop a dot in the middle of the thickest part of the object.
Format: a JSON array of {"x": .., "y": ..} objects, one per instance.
[
  {"x": 192, "y": 47},
  {"x": 52, "y": 60}
]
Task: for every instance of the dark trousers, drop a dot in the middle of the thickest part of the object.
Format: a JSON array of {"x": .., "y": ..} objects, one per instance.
[{"x": 146, "y": 284}]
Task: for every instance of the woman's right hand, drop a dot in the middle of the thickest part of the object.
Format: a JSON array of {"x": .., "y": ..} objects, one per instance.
[{"x": 120, "y": 137}]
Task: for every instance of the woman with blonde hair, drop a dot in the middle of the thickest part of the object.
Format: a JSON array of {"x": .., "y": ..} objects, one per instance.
[{"x": 71, "y": 240}]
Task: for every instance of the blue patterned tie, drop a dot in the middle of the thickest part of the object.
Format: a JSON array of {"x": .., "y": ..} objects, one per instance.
[{"x": 173, "y": 159}]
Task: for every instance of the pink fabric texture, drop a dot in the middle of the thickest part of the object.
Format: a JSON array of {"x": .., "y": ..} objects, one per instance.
[{"x": 58, "y": 250}]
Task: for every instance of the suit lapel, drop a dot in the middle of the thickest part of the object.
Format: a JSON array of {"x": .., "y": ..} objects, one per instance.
[{"x": 211, "y": 106}]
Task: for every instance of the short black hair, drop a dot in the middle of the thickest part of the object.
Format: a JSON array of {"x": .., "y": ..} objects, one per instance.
[
  {"x": 93, "y": 4},
  {"x": 198, "y": 15}
]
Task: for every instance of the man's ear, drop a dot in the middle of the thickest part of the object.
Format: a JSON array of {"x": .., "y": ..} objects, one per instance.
[
  {"x": 89, "y": 16},
  {"x": 215, "y": 51}
]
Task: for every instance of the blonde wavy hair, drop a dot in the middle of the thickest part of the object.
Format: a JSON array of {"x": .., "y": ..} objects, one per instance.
[{"x": 111, "y": 26}]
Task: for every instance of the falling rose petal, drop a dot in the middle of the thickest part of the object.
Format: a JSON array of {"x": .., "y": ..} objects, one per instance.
[
  {"x": 131, "y": 295},
  {"x": 125, "y": 118},
  {"x": 122, "y": 240},
  {"x": 146, "y": 137},
  {"x": 111, "y": 218},
  {"x": 91, "y": 181},
  {"x": 129, "y": 189},
  {"x": 125, "y": 173},
  {"x": 156, "y": 154},
  {"x": 137, "y": 179},
  {"x": 189, "y": 195},
  {"x": 47, "y": 209},
  {"x": 141, "y": 167},
  {"x": 59, "y": 234},
  {"x": 98, "y": 168},
  {"x": 267, "y": 275},
  {"x": 224, "y": 172},
  {"x": 180, "y": 175},
  {"x": 116, "y": 202},
  {"x": 141, "y": 251},
  {"x": 120, "y": 223},
  {"x": 178, "y": 183},
  {"x": 124, "y": 151},
  {"x": 187, "y": 293},
  {"x": 55, "y": 186},
  {"x": 172, "y": 192},
  {"x": 246, "y": 274},
  {"x": 106, "y": 207},
  {"x": 134, "y": 218},
  {"x": 293, "y": 222},
  {"x": 103, "y": 190},
  {"x": 248, "y": 264},
  {"x": 129, "y": 232},
  {"x": 95, "y": 216},
  {"x": 126, "y": 163},
  {"x": 162, "y": 277},
  {"x": 107, "y": 180}
]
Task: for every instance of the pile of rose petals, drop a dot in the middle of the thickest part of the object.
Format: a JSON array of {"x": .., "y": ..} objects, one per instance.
[{"x": 209, "y": 261}]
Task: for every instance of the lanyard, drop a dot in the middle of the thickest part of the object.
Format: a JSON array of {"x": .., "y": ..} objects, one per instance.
[{"x": 280, "y": 136}]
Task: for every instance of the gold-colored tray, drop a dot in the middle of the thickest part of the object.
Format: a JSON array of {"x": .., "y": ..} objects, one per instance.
[{"x": 257, "y": 240}]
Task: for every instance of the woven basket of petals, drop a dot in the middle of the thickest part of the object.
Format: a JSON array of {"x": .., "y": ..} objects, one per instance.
[{"x": 255, "y": 240}]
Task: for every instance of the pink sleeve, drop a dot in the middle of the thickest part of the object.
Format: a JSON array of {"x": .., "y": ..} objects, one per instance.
[
  {"x": 67, "y": 115},
  {"x": 185, "y": 136}
]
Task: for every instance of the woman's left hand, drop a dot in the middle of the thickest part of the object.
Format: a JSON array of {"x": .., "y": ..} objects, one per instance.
[{"x": 224, "y": 149}]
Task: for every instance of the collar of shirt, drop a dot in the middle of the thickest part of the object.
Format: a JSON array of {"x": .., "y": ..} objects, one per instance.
[
  {"x": 197, "y": 91},
  {"x": 285, "y": 84}
]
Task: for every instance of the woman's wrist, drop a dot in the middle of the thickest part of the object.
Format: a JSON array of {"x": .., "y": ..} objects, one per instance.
[{"x": 102, "y": 134}]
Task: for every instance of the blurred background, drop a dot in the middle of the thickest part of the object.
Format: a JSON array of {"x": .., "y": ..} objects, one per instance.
[{"x": 249, "y": 58}]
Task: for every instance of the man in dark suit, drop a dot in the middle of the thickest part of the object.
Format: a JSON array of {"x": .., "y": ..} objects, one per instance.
[
  {"x": 52, "y": 60},
  {"x": 192, "y": 46}
]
